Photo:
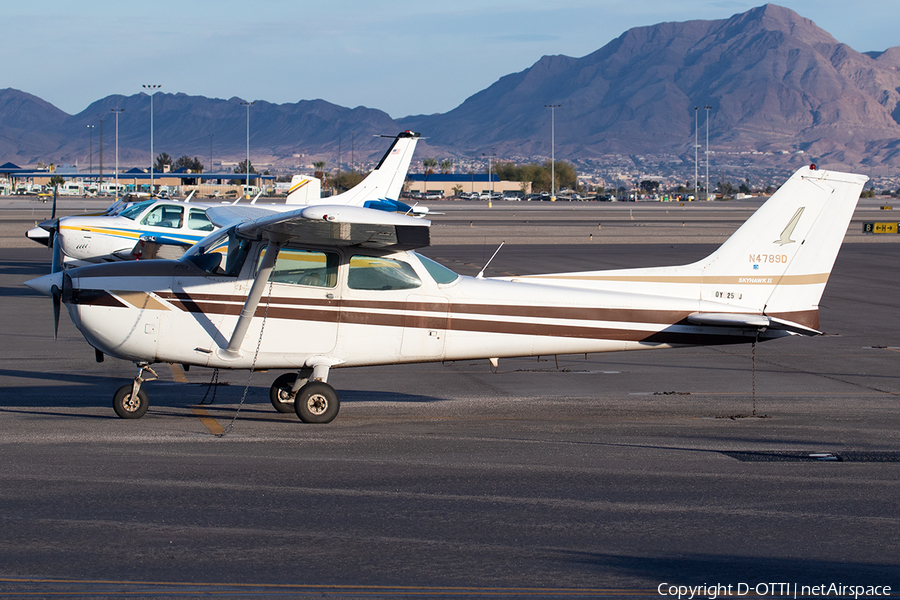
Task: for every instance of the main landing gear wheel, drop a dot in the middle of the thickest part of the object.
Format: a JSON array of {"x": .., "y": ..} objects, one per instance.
[
  {"x": 317, "y": 402},
  {"x": 280, "y": 393},
  {"x": 127, "y": 406}
]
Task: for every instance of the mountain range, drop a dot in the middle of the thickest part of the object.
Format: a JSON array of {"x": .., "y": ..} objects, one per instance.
[{"x": 776, "y": 83}]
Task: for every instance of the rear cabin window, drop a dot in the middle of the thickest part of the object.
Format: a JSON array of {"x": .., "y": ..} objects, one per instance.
[
  {"x": 198, "y": 221},
  {"x": 377, "y": 273},
  {"x": 440, "y": 273}
]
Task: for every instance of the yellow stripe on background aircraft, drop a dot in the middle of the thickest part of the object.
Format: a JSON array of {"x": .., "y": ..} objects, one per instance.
[
  {"x": 118, "y": 233},
  {"x": 328, "y": 287}
]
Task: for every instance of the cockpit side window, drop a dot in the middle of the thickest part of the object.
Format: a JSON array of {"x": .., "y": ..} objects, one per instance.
[
  {"x": 164, "y": 215},
  {"x": 379, "y": 273},
  {"x": 305, "y": 267}
]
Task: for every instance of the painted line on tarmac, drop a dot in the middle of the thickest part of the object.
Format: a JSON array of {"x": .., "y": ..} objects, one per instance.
[
  {"x": 178, "y": 373},
  {"x": 210, "y": 423}
]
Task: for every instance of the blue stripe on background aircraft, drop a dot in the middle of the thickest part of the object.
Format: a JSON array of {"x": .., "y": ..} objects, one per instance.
[
  {"x": 341, "y": 286},
  {"x": 164, "y": 228}
]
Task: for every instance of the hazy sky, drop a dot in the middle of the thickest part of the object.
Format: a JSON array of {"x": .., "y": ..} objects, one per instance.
[{"x": 404, "y": 57}]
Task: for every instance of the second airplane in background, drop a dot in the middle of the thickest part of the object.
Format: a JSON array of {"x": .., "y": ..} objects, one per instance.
[{"x": 125, "y": 235}]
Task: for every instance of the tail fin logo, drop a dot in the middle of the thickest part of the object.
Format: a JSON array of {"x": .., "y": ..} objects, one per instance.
[
  {"x": 785, "y": 237},
  {"x": 298, "y": 186}
]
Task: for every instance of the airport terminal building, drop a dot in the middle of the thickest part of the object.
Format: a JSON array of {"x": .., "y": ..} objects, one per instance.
[{"x": 452, "y": 185}]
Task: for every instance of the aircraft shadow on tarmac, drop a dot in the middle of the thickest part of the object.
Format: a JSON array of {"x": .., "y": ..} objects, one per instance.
[
  {"x": 97, "y": 390},
  {"x": 725, "y": 569},
  {"x": 31, "y": 268}
]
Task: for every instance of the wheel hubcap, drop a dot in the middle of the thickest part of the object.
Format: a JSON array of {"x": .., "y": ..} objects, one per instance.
[
  {"x": 131, "y": 403},
  {"x": 317, "y": 404}
]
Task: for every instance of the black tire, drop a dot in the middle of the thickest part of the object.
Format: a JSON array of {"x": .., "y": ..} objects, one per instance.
[
  {"x": 280, "y": 393},
  {"x": 317, "y": 402},
  {"x": 125, "y": 408}
]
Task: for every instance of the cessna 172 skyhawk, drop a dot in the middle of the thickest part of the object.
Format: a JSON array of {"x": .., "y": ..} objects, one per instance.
[
  {"x": 116, "y": 235},
  {"x": 328, "y": 287}
]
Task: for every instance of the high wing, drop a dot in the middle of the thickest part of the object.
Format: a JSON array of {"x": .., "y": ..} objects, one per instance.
[
  {"x": 322, "y": 225},
  {"x": 326, "y": 225}
]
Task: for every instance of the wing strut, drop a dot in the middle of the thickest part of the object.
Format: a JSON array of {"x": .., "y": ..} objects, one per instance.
[{"x": 233, "y": 352}]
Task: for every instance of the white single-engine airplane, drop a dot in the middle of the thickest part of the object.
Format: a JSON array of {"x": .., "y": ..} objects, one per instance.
[
  {"x": 117, "y": 234},
  {"x": 327, "y": 287}
]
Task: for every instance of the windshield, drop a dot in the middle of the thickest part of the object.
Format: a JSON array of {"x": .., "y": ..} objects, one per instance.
[
  {"x": 220, "y": 253},
  {"x": 135, "y": 210}
]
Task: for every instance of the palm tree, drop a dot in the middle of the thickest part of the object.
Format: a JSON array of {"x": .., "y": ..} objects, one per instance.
[
  {"x": 446, "y": 166},
  {"x": 319, "y": 166},
  {"x": 430, "y": 164}
]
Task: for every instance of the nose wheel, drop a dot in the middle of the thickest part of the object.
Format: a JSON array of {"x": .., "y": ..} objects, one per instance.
[
  {"x": 130, "y": 401},
  {"x": 129, "y": 405}
]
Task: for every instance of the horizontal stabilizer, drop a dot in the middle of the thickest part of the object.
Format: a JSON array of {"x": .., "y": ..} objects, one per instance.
[
  {"x": 752, "y": 321},
  {"x": 730, "y": 320}
]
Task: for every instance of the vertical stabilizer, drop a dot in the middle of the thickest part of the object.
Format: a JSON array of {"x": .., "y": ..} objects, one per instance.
[
  {"x": 386, "y": 181},
  {"x": 776, "y": 264},
  {"x": 305, "y": 189},
  {"x": 779, "y": 260}
]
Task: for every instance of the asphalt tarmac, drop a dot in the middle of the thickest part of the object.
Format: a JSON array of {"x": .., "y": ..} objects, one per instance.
[{"x": 590, "y": 476}]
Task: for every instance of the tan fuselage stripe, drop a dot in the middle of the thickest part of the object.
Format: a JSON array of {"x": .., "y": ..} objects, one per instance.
[
  {"x": 755, "y": 279},
  {"x": 140, "y": 300}
]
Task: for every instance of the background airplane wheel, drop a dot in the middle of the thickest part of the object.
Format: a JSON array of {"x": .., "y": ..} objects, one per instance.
[
  {"x": 317, "y": 402},
  {"x": 280, "y": 393},
  {"x": 127, "y": 408}
]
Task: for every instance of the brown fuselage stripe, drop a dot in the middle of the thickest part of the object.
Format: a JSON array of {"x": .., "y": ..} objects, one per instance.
[
  {"x": 449, "y": 322},
  {"x": 184, "y": 301}
]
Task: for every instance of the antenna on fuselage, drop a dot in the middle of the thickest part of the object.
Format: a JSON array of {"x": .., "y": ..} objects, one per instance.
[{"x": 481, "y": 272}]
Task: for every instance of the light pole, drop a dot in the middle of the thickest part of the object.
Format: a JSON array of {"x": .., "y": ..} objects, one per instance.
[
  {"x": 91, "y": 129},
  {"x": 490, "y": 155},
  {"x": 116, "y": 111},
  {"x": 210, "y": 152},
  {"x": 248, "y": 105},
  {"x": 100, "y": 185},
  {"x": 707, "y": 107},
  {"x": 696, "y": 175},
  {"x": 152, "y": 87},
  {"x": 552, "y": 108}
]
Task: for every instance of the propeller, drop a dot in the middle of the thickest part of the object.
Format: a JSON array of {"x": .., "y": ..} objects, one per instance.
[
  {"x": 60, "y": 296},
  {"x": 57, "y": 302},
  {"x": 52, "y": 226}
]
